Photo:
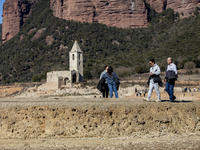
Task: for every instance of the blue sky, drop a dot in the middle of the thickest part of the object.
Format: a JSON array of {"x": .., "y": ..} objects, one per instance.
[{"x": 1, "y": 10}]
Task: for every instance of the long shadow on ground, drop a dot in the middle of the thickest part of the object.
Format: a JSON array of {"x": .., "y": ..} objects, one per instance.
[{"x": 177, "y": 101}]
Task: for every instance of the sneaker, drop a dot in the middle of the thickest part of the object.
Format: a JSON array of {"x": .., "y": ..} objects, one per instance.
[
  {"x": 158, "y": 100},
  {"x": 146, "y": 99}
]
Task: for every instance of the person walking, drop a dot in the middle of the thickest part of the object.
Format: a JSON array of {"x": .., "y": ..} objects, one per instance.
[
  {"x": 170, "y": 78},
  {"x": 106, "y": 90},
  {"x": 154, "y": 80},
  {"x": 140, "y": 93},
  {"x": 110, "y": 77},
  {"x": 185, "y": 89}
]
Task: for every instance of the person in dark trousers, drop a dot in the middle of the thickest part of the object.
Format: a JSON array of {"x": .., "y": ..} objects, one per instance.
[
  {"x": 111, "y": 77},
  {"x": 170, "y": 78},
  {"x": 106, "y": 90}
]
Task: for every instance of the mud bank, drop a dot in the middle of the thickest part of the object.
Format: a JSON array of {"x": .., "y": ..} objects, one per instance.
[{"x": 83, "y": 118}]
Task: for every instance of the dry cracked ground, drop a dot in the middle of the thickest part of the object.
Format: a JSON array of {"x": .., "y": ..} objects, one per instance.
[{"x": 87, "y": 124}]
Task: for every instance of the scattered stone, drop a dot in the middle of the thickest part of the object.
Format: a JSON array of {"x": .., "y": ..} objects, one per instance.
[
  {"x": 115, "y": 42},
  {"x": 31, "y": 30},
  {"x": 49, "y": 40},
  {"x": 21, "y": 37},
  {"x": 38, "y": 34}
]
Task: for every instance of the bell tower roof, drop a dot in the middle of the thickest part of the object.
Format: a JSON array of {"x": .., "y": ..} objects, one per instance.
[{"x": 75, "y": 48}]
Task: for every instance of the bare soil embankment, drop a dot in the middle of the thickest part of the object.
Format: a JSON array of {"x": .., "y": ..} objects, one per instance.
[{"x": 61, "y": 118}]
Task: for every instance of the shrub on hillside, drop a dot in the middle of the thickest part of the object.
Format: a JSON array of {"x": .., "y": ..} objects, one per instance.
[{"x": 166, "y": 35}]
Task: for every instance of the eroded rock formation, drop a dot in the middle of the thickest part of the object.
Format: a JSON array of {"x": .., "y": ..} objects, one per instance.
[
  {"x": 119, "y": 13},
  {"x": 186, "y": 7},
  {"x": 15, "y": 13}
]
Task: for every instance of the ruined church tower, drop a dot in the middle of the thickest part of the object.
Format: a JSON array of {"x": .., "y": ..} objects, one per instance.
[{"x": 76, "y": 60}]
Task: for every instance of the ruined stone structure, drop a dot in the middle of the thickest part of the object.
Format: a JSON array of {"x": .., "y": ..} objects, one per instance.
[{"x": 56, "y": 79}]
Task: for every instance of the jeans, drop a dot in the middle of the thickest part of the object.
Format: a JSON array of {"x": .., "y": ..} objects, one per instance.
[
  {"x": 170, "y": 90},
  {"x": 112, "y": 88},
  {"x": 155, "y": 86}
]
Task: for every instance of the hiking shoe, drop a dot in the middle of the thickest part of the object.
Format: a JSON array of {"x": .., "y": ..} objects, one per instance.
[
  {"x": 174, "y": 97},
  {"x": 158, "y": 100},
  {"x": 146, "y": 99}
]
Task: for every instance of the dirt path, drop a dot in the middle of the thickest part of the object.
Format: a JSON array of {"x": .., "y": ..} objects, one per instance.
[{"x": 161, "y": 142}]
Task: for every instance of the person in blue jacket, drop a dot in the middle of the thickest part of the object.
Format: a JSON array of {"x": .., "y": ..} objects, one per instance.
[{"x": 110, "y": 78}]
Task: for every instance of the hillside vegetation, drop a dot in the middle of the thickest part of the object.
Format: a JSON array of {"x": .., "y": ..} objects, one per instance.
[
  {"x": 0, "y": 32},
  {"x": 0, "y": 28},
  {"x": 166, "y": 35}
]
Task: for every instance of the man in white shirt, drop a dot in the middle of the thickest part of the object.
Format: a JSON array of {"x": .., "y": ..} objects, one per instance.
[{"x": 171, "y": 76}]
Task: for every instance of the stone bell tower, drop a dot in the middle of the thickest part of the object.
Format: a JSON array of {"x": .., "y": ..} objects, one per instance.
[{"x": 76, "y": 61}]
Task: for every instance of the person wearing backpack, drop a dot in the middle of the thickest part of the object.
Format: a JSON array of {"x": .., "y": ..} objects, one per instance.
[
  {"x": 170, "y": 78},
  {"x": 154, "y": 80},
  {"x": 111, "y": 77}
]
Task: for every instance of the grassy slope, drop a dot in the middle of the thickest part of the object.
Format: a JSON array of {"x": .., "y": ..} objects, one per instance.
[{"x": 166, "y": 36}]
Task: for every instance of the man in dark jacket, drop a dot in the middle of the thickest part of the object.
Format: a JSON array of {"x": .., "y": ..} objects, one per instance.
[
  {"x": 170, "y": 78},
  {"x": 104, "y": 86}
]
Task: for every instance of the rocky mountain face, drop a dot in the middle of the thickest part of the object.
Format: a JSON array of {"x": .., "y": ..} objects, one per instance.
[
  {"x": 184, "y": 7},
  {"x": 119, "y": 13},
  {"x": 15, "y": 13}
]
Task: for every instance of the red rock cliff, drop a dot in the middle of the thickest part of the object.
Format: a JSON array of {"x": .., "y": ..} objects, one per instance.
[
  {"x": 14, "y": 16},
  {"x": 119, "y": 13},
  {"x": 186, "y": 7}
]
